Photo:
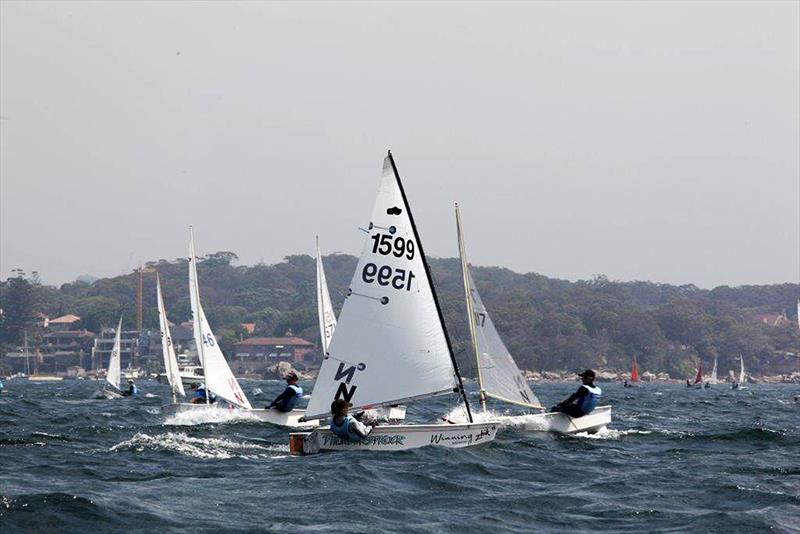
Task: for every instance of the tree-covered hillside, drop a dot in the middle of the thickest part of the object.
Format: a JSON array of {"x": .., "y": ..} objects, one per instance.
[{"x": 548, "y": 324}]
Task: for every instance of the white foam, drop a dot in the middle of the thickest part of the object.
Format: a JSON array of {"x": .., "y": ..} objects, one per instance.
[
  {"x": 150, "y": 396},
  {"x": 202, "y": 416},
  {"x": 204, "y": 448}
]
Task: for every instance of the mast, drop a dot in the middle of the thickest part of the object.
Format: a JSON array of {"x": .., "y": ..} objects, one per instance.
[
  {"x": 198, "y": 327},
  {"x": 433, "y": 289},
  {"x": 462, "y": 252}
]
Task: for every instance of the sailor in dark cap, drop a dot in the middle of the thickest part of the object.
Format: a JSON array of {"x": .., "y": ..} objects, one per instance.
[
  {"x": 583, "y": 401},
  {"x": 286, "y": 401}
]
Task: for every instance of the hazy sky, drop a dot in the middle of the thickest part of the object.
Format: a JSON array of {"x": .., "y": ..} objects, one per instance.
[{"x": 649, "y": 141}]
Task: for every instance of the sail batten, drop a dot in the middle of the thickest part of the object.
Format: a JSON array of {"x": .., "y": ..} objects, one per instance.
[
  {"x": 167, "y": 348},
  {"x": 219, "y": 378},
  {"x": 390, "y": 343}
]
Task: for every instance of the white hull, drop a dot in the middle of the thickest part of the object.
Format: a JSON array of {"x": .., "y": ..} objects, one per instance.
[
  {"x": 404, "y": 437},
  {"x": 273, "y": 417},
  {"x": 107, "y": 394},
  {"x": 561, "y": 423}
]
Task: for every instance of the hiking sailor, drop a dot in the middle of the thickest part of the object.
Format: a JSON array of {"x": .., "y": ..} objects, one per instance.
[
  {"x": 583, "y": 401},
  {"x": 286, "y": 401}
]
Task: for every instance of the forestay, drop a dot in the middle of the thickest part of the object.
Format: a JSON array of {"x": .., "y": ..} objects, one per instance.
[
  {"x": 327, "y": 319},
  {"x": 390, "y": 345},
  {"x": 218, "y": 376},
  {"x": 498, "y": 374},
  {"x": 167, "y": 349},
  {"x": 114, "y": 370}
]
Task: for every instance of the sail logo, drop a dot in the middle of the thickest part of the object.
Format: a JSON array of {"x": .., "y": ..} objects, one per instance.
[
  {"x": 237, "y": 391},
  {"x": 343, "y": 392},
  {"x": 521, "y": 384}
]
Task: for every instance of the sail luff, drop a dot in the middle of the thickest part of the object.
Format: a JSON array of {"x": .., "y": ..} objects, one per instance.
[
  {"x": 167, "y": 348},
  {"x": 433, "y": 288},
  {"x": 325, "y": 314},
  {"x": 114, "y": 361},
  {"x": 462, "y": 252}
]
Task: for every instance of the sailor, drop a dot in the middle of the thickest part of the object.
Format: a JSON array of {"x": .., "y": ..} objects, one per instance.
[
  {"x": 583, "y": 401},
  {"x": 132, "y": 389},
  {"x": 1, "y": 386},
  {"x": 199, "y": 396},
  {"x": 346, "y": 426},
  {"x": 286, "y": 401}
]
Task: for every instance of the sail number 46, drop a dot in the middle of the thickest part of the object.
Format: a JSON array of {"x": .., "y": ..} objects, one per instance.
[{"x": 398, "y": 278}]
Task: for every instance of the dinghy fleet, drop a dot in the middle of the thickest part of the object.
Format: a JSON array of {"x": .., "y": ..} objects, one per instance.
[{"x": 389, "y": 347}]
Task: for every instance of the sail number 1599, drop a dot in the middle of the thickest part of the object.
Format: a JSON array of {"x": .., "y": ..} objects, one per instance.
[{"x": 385, "y": 275}]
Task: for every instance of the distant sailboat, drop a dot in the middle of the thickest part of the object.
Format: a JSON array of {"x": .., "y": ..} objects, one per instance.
[
  {"x": 497, "y": 372},
  {"x": 740, "y": 384},
  {"x": 327, "y": 318},
  {"x": 698, "y": 379},
  {"x": 111, "y": 388},
  {"x": 391, "y": 345},
  {"x": 167, "y": 349},
  {"x": 712, "y": 379},
  {"x": 634, "y": 372}
]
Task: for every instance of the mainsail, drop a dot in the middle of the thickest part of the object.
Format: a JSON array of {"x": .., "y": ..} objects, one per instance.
[
  {"x": 327, "y": 319},
  {"x": 741, "y": 370},
  {"x": 498, "y": 374},
  {"x": 219, "y": 378},
  {"x": 390, "y": 344},
  {"x": 713, "y": 378},
  {"x": 170, "y": 362},
  {"x": 114, "y": 371},
  {"x": 634, "y": 371},
  {"x": 699, "y": 378}
]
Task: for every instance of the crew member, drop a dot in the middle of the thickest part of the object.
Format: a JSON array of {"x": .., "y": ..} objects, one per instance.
[
  {"x": 199, "y": 396},
  {"x": 132, "y": 389},
  {"x": 346, "y": 426},
  {"x": 286, "y": 401},
  {"x": 583, "y": 401}
]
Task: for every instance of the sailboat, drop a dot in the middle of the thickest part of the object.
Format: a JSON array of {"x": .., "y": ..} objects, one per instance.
[
  {"x": 740, "y": 384},
  {"x": 634, "y": 382},
  {"x": 111, "y": 388},
  {"x": 712, "y": 378},
  {"x": 391, "y": 345},
  {"x": 219, "y": 378},
  {"x": 170, "y": 362},
  {"x": 497, "y": 372},
  {"x": 698, "y": 379}
]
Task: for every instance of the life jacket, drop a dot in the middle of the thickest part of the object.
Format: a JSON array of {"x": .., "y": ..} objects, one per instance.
[
  {"x": 343, "y": 430},
  {"x": 587, "y": 403},
  {"x": 133, "y": 389},
  {"x": 290, "y": 402}
]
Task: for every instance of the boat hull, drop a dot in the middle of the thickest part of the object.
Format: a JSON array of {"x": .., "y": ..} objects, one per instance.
[
  {"x": 273, "y": 417},
  {"x": 561, "y": 423},
  {"x": 402, "y": 437},
  {"x": 107, "y": 394}
]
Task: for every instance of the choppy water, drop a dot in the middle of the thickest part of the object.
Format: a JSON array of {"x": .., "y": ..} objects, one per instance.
[{"x": 674, "y": 460}]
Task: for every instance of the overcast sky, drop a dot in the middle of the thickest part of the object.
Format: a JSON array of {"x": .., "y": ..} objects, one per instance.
[{"x": 644, "y": 141}]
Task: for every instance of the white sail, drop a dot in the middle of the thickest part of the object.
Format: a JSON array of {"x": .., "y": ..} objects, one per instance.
[
  {"x": 219, "y": 378},
  {"x": 741, "y": 370},
  {"x": 327, "y": 319},
  {"x": 114, "y": 370},
  {"x": 168, "y": 351},
  {"x": 498, "y": 374},
  {"x": 798, "y": 313},
  {"x": 390, "y": 345},
  {"x": 712, "y": 379}
]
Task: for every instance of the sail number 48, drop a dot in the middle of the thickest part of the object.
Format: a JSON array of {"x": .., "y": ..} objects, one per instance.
[{"x": 398, "y": 278}]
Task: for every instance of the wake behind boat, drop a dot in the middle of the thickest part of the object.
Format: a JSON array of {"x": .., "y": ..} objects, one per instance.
[{"x": 391, "y": 344}]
